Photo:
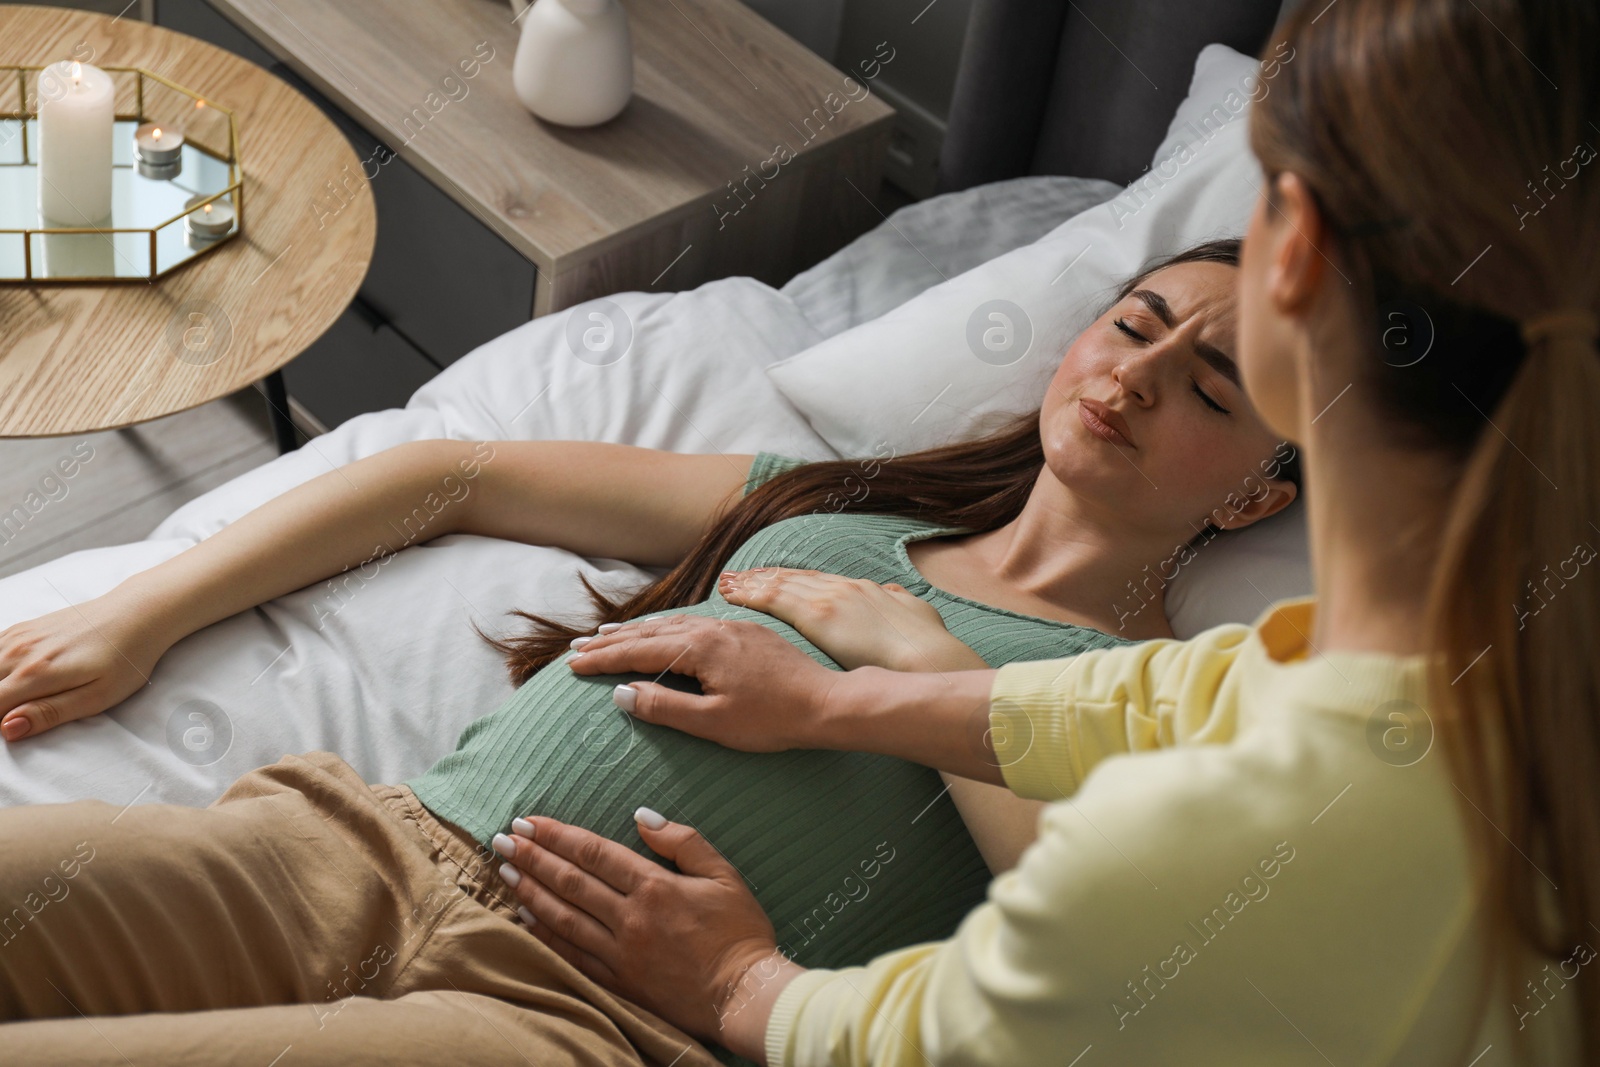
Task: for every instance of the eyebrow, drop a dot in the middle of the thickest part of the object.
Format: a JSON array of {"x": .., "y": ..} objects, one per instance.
[{"x": 1218, "y": 360}]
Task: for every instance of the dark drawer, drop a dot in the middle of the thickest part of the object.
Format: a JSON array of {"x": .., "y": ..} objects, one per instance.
[
  {"x": 440, "y": 278},
  {"x": 360, "y": 365}
]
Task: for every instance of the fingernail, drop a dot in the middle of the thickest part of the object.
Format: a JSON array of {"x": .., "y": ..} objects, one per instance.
[
  {"x": 610, "y": 627},
  {"x": 510, "y": 875},
  {"x": 504, "y": 845},
  {"x": 574, "y": 656},
  {"x": 579, "y": 642},
  {"x": 625, "y": 697},
  {"x": 650, "y": 820},
  {"x": 12, "y": 729},
  {"x": 522, "y": 828},
  {"x": 527, "y": 916}
]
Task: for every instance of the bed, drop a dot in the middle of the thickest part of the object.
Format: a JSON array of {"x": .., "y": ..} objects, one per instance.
[{"x": 383, "y": 667}]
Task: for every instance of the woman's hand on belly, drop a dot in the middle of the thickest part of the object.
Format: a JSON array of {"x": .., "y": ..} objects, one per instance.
[
  {"x": 759, "y": 693},
  {"x": 694, "y": 947},
  {"x": 857, "y": 622}
]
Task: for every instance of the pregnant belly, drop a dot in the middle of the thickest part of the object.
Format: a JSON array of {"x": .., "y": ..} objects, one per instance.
[{"x": 851, "y": 855}]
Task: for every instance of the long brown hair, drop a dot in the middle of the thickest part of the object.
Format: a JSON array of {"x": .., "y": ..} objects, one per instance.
[
  {"x": 978, "y": 484},
  {"x": 1440, "y": 150}
]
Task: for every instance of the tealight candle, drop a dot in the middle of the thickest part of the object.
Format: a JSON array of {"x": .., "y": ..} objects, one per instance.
[
  {"x": 76, "y": 113},
  {"x": 158, "y": 152},
  {"x": 209, "y": 222}
]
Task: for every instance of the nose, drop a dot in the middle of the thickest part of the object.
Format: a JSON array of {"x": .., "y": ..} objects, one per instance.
[{"x": 1140, "y": 374}]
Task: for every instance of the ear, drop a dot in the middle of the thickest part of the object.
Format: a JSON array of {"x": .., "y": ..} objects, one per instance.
[
  {"x": 1299, "y": 236},
  {"x": 1279, "y": 495}
]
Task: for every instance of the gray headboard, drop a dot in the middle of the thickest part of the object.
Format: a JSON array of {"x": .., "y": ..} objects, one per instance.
[{"x": 1081, "y": 87}]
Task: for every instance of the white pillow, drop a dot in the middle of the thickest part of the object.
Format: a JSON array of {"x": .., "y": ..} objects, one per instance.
[
  {"x": 952, "y": 362},
  {"x": 930, "y": 241},
  {"x": 938, "y": 367}
]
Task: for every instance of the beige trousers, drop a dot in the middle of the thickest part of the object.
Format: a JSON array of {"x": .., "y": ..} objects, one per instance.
[{"x": 303, "y": 918}]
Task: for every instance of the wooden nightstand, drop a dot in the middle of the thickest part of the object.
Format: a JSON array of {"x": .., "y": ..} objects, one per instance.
[{"x": 741, "y": 152}]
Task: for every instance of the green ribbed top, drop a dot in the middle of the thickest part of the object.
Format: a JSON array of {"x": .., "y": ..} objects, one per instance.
[{"x": 851, "y": 855}]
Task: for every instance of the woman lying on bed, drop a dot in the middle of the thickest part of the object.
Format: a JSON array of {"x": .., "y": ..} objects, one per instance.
[{"x": 303, "y": 886}]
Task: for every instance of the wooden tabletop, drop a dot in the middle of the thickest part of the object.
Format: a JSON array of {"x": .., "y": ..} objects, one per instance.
[
  {"x": 716, "y": 89},
  {"x": 75, "y": 358}
]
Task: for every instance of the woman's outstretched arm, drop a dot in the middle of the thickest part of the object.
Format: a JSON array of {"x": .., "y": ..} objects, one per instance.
[
  {"x": 608, "y": 500},
  {"x": 602, "y": 500}
]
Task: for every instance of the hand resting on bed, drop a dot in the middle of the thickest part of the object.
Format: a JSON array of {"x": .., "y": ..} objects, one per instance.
[{"x": 75, "y": 662}]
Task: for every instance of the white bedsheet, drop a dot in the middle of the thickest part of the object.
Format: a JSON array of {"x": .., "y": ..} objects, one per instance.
[{"x": 387, "y": 672}]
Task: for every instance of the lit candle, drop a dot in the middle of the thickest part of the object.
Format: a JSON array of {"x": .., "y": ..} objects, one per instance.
[
  {"x": 157, "y": 145},
  {"x": 76, "y": 113},
  {"x": 210, "y": 222}
]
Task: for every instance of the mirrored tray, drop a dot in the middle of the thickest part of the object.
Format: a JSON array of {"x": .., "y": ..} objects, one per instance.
[{"x": 145, "y": 236}]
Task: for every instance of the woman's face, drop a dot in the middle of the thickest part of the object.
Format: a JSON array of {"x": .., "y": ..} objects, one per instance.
[{"x": 1146, "y": 413}]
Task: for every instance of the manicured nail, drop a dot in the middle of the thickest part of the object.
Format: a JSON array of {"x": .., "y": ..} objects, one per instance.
[
  {"x": 527, "y": 916},
  {"x": 579, "y": 642},
  {"x": 650, "y": 820},
  {"x": 610, "y": 627},
  {"x": 625, "y": 697},
  {"x": 510, "y": 874},
  {"x": 574, "y": 656},
  {"x": 504, "y": 845},
  {"x": 14, "y": 728},
  {"x": 522, "y": 828}
]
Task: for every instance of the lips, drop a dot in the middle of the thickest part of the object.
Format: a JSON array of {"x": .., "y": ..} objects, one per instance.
[{"x": 1105, "y": 423}]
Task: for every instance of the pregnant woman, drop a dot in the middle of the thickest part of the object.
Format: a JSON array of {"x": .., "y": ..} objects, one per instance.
[{"x": 309, "y": 917}]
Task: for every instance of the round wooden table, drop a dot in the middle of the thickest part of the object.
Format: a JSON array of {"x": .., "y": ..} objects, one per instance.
[{"x": 76, "y": 358}]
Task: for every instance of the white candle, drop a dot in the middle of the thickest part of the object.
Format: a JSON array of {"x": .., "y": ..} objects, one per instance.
[
  {"x": 79, "y": 255},
  {"x": 76, "y": 113}
]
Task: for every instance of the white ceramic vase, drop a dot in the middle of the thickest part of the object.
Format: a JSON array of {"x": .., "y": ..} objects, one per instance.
[{"x": 574, "y": 62}]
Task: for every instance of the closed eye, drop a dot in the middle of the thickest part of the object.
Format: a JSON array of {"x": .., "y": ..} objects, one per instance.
[
  {"x": 1201, "y": 393},
  {"x": 1212, "y": 404}
]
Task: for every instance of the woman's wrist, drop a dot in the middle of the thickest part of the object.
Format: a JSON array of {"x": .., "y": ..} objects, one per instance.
[
  {"x": 746, "y": 1008},
  {"x": 939, "y": 720},
  {"x": 162, "y": 605}
]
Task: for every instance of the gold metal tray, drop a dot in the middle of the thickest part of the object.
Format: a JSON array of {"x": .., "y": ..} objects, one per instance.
[{"x": 146, "y": 237}]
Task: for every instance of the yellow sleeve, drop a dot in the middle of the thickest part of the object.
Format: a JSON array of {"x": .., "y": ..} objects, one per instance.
[
  {"x": 1004, "y": 990},
  {"x": 1053, "y": 720}
]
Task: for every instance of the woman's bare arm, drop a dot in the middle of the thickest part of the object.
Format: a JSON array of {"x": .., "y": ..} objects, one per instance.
[
  {"x": 603, "y": 500},
  {"x": 617, "y": 501},
  {"x": 1001, "y": 823},
  {"x": 362, "y": 511}
]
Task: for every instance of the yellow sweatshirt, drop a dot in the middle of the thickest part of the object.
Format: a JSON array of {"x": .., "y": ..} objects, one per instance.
[{"x": 1261, "y": 860}]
